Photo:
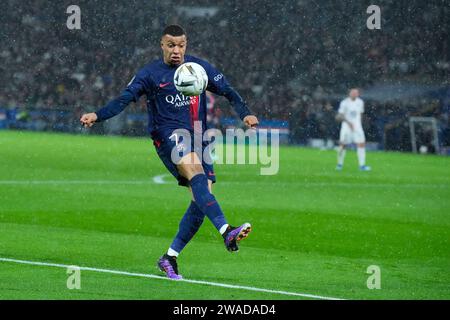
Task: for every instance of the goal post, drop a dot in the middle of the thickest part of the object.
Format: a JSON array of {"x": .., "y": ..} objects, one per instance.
[{"x": 419, "y": 123}]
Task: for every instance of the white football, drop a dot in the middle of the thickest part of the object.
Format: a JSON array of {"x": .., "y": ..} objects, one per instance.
[{"x": 190, "y": 79}]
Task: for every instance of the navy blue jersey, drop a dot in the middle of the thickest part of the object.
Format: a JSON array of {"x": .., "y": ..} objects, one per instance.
[{"x": 168, "y": 109}]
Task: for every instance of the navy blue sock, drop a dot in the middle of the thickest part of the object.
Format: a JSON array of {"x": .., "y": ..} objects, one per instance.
[
  {"x": 189, "y": 225},
  {"x": 206, "y": 201}
]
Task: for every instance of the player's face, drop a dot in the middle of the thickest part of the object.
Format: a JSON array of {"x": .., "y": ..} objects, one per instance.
[
  {"x": 173, "y": 49},
  {"x": 354, "y": 93}
]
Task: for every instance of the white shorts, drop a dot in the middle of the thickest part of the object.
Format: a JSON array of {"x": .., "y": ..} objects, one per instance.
[{"x": 348, "y": 136}]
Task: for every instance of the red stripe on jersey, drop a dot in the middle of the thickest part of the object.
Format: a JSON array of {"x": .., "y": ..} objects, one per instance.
[{"x": 193, "y": 109}]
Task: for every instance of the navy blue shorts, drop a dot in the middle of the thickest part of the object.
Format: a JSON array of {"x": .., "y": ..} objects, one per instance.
[{"x": 164, "y": 146}]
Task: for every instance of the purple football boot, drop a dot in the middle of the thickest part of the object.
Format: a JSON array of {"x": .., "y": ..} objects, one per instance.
[
  {"x": 233, "y": 235},
  {"x": 169, "y": 265}
]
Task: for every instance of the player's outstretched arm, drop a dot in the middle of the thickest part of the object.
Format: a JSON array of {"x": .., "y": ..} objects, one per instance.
[
  {"x": 240, "y": 107},
  {"x": 219, "y": 85},
  {"x": 238, "y": 104},
  {"x": 113, "y": 108},
  {"x": 140, "y": 84}
]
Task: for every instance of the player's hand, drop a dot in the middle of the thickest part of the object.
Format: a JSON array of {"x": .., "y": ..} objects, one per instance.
[
  {"x": 88, "y": 119},
  {"x": 251, "y": 121}
]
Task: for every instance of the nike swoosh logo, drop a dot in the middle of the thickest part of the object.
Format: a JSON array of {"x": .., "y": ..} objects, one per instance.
[{"x": 162, "y": 85}]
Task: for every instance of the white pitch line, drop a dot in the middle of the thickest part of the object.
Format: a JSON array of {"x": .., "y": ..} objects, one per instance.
[
  {"x": 58, "y": 182},
  {"x": 152, "y": 276},
  {"x": 160, "y": 179}
]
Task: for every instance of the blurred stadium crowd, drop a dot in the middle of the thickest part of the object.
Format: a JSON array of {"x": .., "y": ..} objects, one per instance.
[{"x": 291, "y": 60}]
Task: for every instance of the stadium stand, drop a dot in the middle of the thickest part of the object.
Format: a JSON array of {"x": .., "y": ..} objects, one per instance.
[{"x": 295, "y": 68}]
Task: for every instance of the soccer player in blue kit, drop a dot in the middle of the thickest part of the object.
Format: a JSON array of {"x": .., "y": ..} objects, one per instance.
[{"x": 169, "y": 110}]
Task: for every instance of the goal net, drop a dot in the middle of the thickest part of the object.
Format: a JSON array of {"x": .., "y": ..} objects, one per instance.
[{"x": 424, "y": 134}]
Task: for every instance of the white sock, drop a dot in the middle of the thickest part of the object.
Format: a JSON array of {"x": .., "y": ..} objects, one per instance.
[
  {"x": 341, "y": 156},
  {"x": 172, "y": 253},
  {"x": 223, "y": 228},
  {"x": 361, "y": 156}
]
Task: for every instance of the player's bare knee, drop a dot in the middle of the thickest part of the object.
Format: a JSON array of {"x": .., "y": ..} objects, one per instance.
[
  {"x": 190, "y": 170},
  {"x": 190, "y": 165}
]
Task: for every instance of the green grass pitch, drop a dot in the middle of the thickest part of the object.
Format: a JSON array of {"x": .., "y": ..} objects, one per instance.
[{"x": 90, "y": 201}]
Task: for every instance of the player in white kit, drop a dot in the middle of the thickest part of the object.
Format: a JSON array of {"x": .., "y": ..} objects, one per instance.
[{"x": 349, "y": 113}]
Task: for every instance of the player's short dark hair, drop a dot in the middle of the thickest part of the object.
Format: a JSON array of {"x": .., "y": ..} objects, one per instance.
[{"x": 174, "y": 30}]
